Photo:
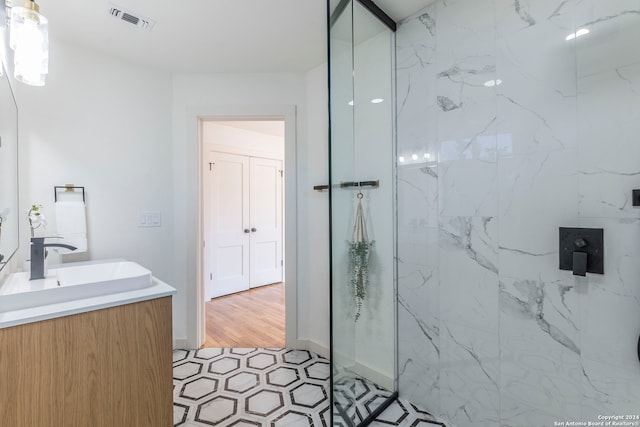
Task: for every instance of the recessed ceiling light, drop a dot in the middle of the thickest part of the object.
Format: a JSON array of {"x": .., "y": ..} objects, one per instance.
[
  {"x": 376, "y": 100},
  {"x": 579, "y": 33},
  {"x": 492, "y": 83},
  {"x": 582, "y": 32}
]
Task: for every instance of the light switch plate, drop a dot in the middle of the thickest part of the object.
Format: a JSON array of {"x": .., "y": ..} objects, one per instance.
[{"x": 150, "y": 219}]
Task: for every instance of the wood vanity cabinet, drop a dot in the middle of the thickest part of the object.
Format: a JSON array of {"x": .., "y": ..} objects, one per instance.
[{"x": 109, "y": 367}]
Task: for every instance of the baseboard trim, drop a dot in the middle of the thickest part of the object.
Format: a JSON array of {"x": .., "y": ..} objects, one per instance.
[
  {"x": 310, "y": 345},
  {"x": 347, "y": 363},
  {"x": 180, "y": 344},
  {"x": 376, "y": 376},
  {"x": 319, "y": 349}
]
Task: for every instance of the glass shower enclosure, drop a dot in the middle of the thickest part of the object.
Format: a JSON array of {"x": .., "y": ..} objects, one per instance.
[{"x": 363, "y": 214}]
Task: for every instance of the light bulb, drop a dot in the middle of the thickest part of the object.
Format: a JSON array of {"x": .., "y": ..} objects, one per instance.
[{"x": 30, "y": 40}]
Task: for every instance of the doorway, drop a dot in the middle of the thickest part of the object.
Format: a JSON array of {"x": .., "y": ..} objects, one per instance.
[{"x": 243, "y": 232}]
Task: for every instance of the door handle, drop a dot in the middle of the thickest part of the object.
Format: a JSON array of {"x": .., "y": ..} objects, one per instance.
[
  {"x": 253, "y": 230},
  {"x": 246, "y": 230}
]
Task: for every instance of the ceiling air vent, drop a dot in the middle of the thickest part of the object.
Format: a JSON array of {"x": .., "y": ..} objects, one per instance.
[{"x": 125, "y": 15}]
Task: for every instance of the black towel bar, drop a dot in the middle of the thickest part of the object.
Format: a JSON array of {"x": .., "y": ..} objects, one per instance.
[
  {"x": 351, "y": 184},
  {"x": 68, "y": 187}
]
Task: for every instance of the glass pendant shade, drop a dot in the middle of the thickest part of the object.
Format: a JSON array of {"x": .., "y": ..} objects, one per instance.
[{"x": 29, "y": 38}]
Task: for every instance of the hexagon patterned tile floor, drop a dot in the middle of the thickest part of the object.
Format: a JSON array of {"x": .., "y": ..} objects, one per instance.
[{"x": 248, "y": 387}]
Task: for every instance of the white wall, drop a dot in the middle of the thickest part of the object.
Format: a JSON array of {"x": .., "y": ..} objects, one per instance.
[
  {"x": 103, "y": 124},
  {"x": 203, "y": 95},
  {"x": 313, "y": 252},
  {"x": 126, "y": 133}
]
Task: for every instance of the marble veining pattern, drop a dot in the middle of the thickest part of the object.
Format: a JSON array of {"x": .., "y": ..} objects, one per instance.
[
  {"x": 520, "y": 131},
  {"x": 530, "y": 305}
]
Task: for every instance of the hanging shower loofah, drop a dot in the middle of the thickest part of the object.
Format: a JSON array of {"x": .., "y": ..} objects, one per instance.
[{"x": 359, "y": 250}]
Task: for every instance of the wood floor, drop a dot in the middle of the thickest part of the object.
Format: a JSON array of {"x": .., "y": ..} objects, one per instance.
[{"x": 254, "y": 318}]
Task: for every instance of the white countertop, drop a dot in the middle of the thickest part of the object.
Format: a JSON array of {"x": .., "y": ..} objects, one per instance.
[{"x": 158, "y": 289}]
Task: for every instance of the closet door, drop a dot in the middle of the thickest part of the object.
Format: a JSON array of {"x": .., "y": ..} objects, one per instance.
[
  {"x": 266, "y": 221},
  {"x": 229, "y": 224}
]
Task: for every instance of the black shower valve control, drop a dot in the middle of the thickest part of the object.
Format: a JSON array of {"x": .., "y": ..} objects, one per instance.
[{"x": 581, "y": 250}]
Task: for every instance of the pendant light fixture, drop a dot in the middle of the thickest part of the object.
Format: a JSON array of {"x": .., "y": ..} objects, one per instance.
[{"x": 29, "y": 38}]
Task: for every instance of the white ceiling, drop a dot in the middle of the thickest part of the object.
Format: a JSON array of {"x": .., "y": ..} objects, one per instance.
[{"x": 252, "y": 36}]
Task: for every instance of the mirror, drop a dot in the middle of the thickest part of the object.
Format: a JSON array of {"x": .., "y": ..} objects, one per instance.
[{"x": 9, "y": 213}]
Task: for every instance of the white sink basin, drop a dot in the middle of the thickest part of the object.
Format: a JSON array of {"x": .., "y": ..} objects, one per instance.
[{"x": 72, "y": 283}]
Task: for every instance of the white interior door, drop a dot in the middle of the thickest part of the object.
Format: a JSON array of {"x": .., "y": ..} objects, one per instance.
[
  {"x": 265, "y": 218},
  {"x": 228, "y": 218}
]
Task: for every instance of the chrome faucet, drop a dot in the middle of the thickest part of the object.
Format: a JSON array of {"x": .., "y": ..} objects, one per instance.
[{"x": 37, "y": 255}]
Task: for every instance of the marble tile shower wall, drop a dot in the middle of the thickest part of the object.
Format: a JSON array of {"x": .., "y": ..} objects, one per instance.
[{"x": 507, "y": 131}]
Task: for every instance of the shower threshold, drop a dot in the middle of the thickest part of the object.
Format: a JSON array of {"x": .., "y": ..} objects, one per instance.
[{"x": 358, "y": 401}]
